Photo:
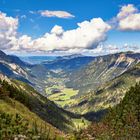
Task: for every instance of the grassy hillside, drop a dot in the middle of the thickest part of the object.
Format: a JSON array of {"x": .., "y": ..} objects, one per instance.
[
  {"x": 122, "y": 121},
  {"x": 16, "y": 118},
  {"x": 39, "y": 105},
  {"x": 29, "y": 125},
  {"x": 19, "y": 98}
]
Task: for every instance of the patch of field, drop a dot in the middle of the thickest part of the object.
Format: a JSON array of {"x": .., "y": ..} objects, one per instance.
[
  {"x": 57, "y": 92},
  {"x": 63, "y": 96},
  {"x": 49, "y": 89}
]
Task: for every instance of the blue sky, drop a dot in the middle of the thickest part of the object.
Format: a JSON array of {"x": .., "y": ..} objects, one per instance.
[{"x": 33, "y": 24}]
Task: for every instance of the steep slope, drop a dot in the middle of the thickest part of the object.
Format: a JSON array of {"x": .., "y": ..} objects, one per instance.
[
  {"x": 108, "y": 94},
  {"x": 15, "y": 110},
  {"x": 101, "y": 70},
  {"x": 38, "y": 104},
  {"x": 12, "y": 59},
  {"x": 13, "y": 67},
  {"x": 18, "y": 117},
  {"x": 122, "y": 121}
]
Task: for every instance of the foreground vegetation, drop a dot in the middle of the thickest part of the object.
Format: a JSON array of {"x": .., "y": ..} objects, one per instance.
[
  {"x": 26, "y": 114},
  {"x": 121, "y": 122},
  {"x": 15, "y": 126},
  {"x": 18, "y": 118}
]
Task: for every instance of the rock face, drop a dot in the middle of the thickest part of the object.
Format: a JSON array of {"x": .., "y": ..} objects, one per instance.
[
  {"x": 3, "y": 77},
  {"x": 13, "y": 67},
  {"x": 12, "y": 59}
]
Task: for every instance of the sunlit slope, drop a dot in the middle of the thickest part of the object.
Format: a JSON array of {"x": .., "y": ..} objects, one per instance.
[
  {"x": 101, "y": 70},
  {"x": 108, "y": 94},
  {"x": 39, "y": 105},
  {"x": 15, "y": 105}
]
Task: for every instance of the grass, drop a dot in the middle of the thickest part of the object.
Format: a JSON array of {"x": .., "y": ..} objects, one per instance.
[
  {"x": 12, "y": 107},
  {"x": 62, "y": 98}
]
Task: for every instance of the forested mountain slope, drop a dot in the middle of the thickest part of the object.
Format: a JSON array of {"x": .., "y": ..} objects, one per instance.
[
  {"x": 101, "y": 70},
  {"x": 108, "y": 94},
  {"x": 121, "y": 122}
]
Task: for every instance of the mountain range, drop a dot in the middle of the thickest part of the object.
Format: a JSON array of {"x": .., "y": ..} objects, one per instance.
[{"x": 68, "y": 92}]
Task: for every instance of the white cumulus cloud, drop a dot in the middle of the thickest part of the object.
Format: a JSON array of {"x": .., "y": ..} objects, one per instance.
[
  {"x": 87, "y": 35},
  {"x": 129, "y": 18},
  {"x": 58, "y": 30},
  {"x": 8, "y": 31},
  {"x": 126, "y": 10}
]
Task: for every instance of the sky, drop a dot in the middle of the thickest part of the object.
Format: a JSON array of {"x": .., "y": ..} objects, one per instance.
[{"x": 61, "y": 27}]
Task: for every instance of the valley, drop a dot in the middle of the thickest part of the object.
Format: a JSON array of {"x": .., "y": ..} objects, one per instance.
[
  {"x": 69, "y": 70},
  {"x": 57, "y": 91},
  {"x": 75, "y": 82},
  {"x": 77, "y": 89}
]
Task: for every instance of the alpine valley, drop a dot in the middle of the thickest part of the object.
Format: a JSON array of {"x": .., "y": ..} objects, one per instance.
[{"x": 70, "y": 97}]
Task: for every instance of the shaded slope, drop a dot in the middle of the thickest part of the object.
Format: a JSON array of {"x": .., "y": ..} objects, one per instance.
[{"x": 69, "y": 63}]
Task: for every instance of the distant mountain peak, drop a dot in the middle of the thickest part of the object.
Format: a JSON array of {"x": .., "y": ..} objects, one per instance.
[{"x": 70, "y": 56}]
